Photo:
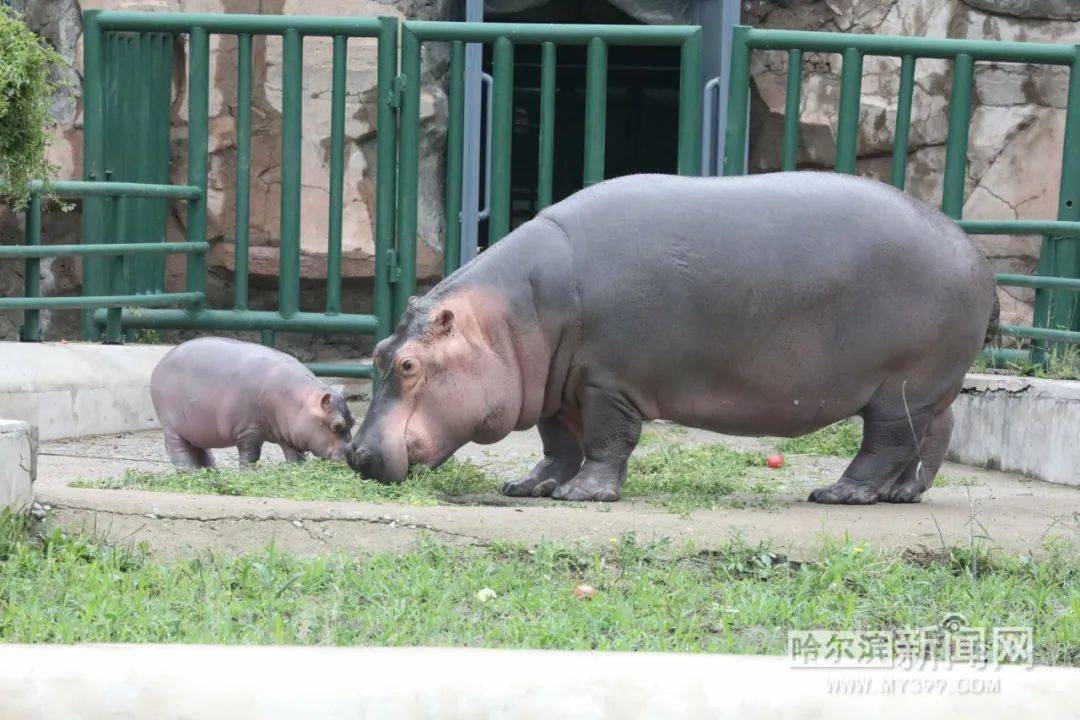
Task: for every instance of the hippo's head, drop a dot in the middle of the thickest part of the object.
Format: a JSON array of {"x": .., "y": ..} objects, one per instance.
[
  {"x": 449, "y": 376},
  {"x": 325, "y": 427}
]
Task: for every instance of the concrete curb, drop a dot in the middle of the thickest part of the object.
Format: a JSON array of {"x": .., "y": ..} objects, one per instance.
[
  {"x": 164, "y": 682},
  {"x": 18, "y": 463},
  {"x": 1018, "y": 424},
  {"x": 76, "y": 389}
]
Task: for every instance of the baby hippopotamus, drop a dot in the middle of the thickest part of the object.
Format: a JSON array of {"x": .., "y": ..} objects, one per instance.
[
  {"x": 215, "y": 392},
  {"x": 772, "y": 304}
]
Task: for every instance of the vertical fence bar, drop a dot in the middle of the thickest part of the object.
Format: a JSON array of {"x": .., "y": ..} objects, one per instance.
[
  {"x": 198, "y": 138},
  {"x": 114, "y": 331},
  {"x": 690, "y": 88},
  {"x": 337, "y": 176},
  {"x": 31, "y": 327},
  {"x": 595, "y": 111},
  {"x": 738, "y": 103},
  {"x": 409, "y": 167},
  {"x": 289, "y": 244},
  {"x": 454, "y": 158},
  {"x": 1060, "y": 256},
  {"x": 385, "y": 174},
  {"x": 903, "y": 121},
  {"x": 956, "y": 143},
  {"x": 93, "y": 149},
  {"x": 791, "y": 110},
  {"x": 847, "y": 126},
  {"x": 501, "y": 138},
  {"x": 243, "y": 171},
  {"x": 546, "y": 160}
]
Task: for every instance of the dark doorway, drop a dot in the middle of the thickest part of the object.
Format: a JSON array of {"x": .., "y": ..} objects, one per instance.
[{"x": 642, "y": 107}]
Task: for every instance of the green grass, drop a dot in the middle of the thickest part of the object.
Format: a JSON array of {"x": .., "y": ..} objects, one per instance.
[
  {"x": 680, "y": 478},
  {"x": 312, "y": 480},
  {"x": 64, "y": 589},
  {"x": 840, "y": 439}
]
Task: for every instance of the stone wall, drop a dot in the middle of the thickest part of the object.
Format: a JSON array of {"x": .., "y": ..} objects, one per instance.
[
  {"x": 1018, "y": 119},
  {"x": 1015, "y": 152}
]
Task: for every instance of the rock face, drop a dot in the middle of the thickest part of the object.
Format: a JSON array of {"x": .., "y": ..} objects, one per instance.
[
  {"x": 1018, "y": 115},
  {"x": 1014, "y": 157}
]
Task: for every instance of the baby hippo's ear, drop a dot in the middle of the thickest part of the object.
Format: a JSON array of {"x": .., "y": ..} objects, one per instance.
[{"x": 324, "y": 402}]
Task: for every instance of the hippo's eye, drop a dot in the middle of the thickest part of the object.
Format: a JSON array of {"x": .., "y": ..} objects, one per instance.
[{"x": 409, "y": 366}]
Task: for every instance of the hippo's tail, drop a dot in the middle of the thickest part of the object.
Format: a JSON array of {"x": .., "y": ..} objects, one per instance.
[{"x": 994, "y": 325}]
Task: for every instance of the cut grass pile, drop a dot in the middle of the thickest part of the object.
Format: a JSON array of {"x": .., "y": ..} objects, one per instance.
[
  {"x": 681, "y": 478},
  {"x": 60, "y": 588}
]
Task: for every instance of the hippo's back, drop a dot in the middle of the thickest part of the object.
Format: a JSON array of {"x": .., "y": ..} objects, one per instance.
[{"x": 770, "y": 287}]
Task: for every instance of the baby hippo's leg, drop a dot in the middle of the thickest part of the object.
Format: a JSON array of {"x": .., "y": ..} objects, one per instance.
[
  {"x": 184, "y": 455},
  {"x": 250, "y": 448}
]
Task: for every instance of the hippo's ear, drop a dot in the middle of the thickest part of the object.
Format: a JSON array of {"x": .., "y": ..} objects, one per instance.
[
  {"x": 443, "y": 322},
  {"x": 324, "y": 402}
]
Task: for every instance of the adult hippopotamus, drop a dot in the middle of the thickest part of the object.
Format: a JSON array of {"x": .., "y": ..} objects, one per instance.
[
  {"x": 215, "y": 392},
  {"x": 766, "y": 305}
]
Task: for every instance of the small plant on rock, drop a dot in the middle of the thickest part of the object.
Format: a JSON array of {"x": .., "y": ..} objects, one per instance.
[{"x": 29, "y": 72}]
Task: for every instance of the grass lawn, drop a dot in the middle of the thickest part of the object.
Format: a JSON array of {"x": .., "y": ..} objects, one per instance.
[
  {"x": 72, "y": 588},
  {"x": 679, "y": 477}
]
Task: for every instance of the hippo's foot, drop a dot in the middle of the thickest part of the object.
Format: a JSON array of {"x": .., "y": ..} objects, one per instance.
[
  {"x": 845, "y": 492},
  {"x": 548, "y": 474},
  {"x": 902, "y": 494},
  {"x": 597, "y": 484}
]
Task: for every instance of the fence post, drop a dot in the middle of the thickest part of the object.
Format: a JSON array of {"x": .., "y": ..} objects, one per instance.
[
  {"x": 454, "y": 158},
  {"x": 198, "y": 139},
  {"x": 243, "y": 171},
  {"x": 847, "y": 123},
  {"x": 690, "y": 100},
  {"x": 501, "y": 138},
  {"x": 291, "y": 155},
  {"x": 956, "y": 143},
  {"x": 1060, "y": 256},
  {"x": 385, "y": 175},
  {"x": 31, "y": 327},
  {"x": 738, "y": 103},
  {"x": 595, "y": 111},
  {"x": 93, "y": 154},
  {"x": 409, "y": 168}
]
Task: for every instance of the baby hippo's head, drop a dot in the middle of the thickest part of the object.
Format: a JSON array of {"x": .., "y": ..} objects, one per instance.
[{"x": 325, "y": 424}]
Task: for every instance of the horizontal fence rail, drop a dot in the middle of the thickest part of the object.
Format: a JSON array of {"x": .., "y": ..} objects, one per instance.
[
  {"x": 1056, "y": 284},
  {"x": 292, "y": 30},
  {"x": 33, "y": 251},
  {"x": 503, "y": 37}
]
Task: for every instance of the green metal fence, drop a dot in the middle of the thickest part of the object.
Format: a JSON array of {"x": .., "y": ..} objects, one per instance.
[
  {"x": 110, "y": 37},
  {"x": 503, "y": 37},
  {"x": 1057, "y": 281}
]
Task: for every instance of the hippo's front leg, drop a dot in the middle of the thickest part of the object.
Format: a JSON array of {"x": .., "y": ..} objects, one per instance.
[
  {"x": 562, "y": 460},
  {"x": 611, "y": 426},
  {"x": 292, "y": 454}
]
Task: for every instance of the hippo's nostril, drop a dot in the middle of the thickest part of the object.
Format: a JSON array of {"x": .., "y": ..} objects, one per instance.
[{"x": 369, "y": 464}]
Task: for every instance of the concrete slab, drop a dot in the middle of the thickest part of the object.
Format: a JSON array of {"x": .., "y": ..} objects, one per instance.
[
  {"x": 1019, "y": 424},
  {"x": 193, "y": 681},
  {"x": 77, "y": 389},
  {"x": 18, "y": 463}
]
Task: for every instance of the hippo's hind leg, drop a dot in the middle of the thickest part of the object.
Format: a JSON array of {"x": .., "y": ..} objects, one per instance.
[
  {"x": 889, "y": 446},
  {"x": 562, "y": 460},
  {"x": 184, "y": 455},
  {"x": 611, "y": 427},
  {"x": 919, "y": 475}
]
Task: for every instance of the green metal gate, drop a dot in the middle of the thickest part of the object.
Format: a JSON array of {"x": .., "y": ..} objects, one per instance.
[
  {"x": 1057, "y": 283},
  {"x": 503, "y": 37}
]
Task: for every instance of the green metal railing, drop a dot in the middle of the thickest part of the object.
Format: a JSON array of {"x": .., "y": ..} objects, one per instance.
[
  {"x": 293, "y": 30},
  {"x": 1057, "y": 282},
  {"x": 117, "y": 255},
  {"x": 504, "y": 37}
]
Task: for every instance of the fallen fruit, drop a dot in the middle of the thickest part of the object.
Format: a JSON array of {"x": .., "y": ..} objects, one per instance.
[
  {"x": 486, "y": 594},
  {"x": 585, "y": 592},
  {"x": 775, "y": 461}
]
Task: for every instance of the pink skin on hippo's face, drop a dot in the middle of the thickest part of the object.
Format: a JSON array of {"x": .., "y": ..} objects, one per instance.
[{"x": 448, "y": 378}]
